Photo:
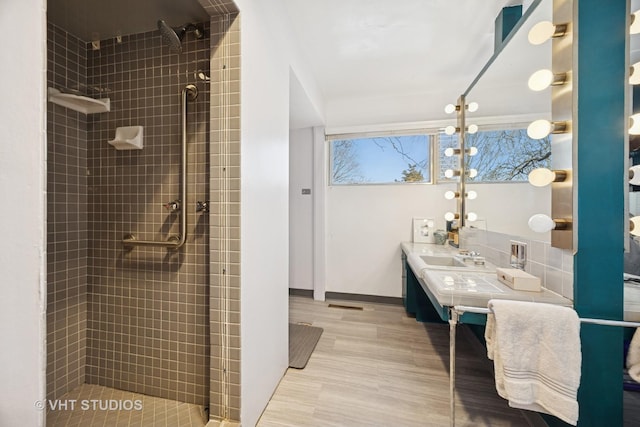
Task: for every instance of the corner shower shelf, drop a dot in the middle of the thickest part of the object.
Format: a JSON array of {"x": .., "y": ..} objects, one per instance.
[{"x": 82, "y": 104}]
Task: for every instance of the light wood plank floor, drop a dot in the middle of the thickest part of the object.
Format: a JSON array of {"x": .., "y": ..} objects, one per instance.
[{"x": 377, "y": 367}]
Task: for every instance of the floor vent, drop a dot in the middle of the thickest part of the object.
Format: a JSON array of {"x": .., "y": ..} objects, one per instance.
[{"x": 346, "y": 307}]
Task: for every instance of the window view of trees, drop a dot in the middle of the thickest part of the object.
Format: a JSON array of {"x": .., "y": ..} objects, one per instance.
[
  {"x": 507, "y": 155},
  {"x": 381, "y": 160}
]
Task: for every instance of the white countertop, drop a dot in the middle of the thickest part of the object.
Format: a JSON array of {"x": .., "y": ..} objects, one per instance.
[
  {"x": 632, "y": 302},
  {"x": 471, "y": 288}
]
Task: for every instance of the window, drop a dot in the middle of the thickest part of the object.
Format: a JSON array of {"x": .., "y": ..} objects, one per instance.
[
  {"x": 505, "y": 155},
  {"x": 397, "y": 159}
]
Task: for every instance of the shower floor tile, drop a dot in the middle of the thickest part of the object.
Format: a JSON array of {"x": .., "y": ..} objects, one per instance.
[{"x": 94, "y": 405}]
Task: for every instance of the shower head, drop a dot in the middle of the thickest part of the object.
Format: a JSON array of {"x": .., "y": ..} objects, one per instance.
[{"x": 173, "y": 36}]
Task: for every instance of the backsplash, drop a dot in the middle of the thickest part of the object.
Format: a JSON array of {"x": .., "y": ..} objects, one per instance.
[{"x": 552, "y": 265}]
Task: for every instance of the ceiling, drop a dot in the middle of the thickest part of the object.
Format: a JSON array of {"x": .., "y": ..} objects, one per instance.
[
  {"x": 91, "y": 20},
  {"x": 399, "y": 60}
]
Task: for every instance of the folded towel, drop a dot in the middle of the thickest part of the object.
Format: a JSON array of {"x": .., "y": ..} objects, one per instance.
[
  {"x": 537, "y": 359},
  {"x": 633, "y": 356}
]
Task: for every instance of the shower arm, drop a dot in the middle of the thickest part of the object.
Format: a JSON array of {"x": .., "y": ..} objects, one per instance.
[{"x": 174, "y": 242}]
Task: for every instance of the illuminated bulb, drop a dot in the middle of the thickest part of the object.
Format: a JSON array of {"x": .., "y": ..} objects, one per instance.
[
  {"x": 634, "y": 128},
  {"x": 450, "y": 216},
  {"x": 450, "y": 195},
  {"x": 472, "y": 173},
  {"x": 472, "y": 195},
  {"x": 541, "y": 223},
  {"x": 472, "y": 151},
  {"x": 542, "y": 176},
  {"x": 542, "y": 128},
  {"x": 634, "y": 226},
  {"x": 472, "y": 216},
  {"x": 542, "y": 79},
  {"x": 634, "y": 175},
  {"x": 472, "y": 107},
  {"x": 450, "y": 130},
  {"x": 451, "y": 151},
  {"x": 634, "y": 74},
  {"x": 450, "y": 173},
  {"x": 635, "y": 23},
  {"x": 543, "y": 31},
  {"x": 450, "y": 108},
  {"x": 472, "y": 129}
]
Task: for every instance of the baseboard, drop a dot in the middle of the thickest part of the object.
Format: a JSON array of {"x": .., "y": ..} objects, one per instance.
[
  {"x": 363, "y": 298},
  {"x": 301, "y": 292}
]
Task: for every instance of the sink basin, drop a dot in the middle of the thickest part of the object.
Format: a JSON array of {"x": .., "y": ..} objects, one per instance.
[
  {"x": 443, "y": 261},
  {"x": 455, "y": 263}
]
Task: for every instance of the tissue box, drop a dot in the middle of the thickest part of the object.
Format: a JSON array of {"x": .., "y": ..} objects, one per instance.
[{"x": 518, "y": 279}]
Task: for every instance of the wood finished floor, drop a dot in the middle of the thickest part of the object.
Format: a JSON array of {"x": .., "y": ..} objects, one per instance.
[{"x": 378, "y": 367}]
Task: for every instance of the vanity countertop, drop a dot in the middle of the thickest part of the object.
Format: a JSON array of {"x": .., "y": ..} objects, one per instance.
[
  {"x": 632, "y": 302},
  {"x": 474, "y": 288}
]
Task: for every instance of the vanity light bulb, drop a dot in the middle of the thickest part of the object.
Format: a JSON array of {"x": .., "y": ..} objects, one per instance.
[
  {"x": 473, "y": 151},
  {"x": 539, "y": 129},
  {"x": 450, "y": 195},
  {"x": 541, "y": 177},
  {"x": 472, "y": 216},
  {"x": 541, "y": 223},
  {"x": 634, "y": 226},
  {"x": 634, "y": 74},
  {"x": 450, "y": 216},
  {"x": 472, "y": 107},
  {"x": 472, "y": 195},
  {"x": 634, "y": 175},
  {"x": 473, "y": 173},
  {"x": 634, "y": 122},
  {"x": 540, "y": 80},
  {"x": 450, "y": 108},
  {"x": 541, "y": 32},
  {"x": 450, "y": 152},
  {"x": 450, "y": 130},
  {"x": 450, "y": 173},
  {"x": 472, "y": 129},
  {"x": 635, "y": 23}
]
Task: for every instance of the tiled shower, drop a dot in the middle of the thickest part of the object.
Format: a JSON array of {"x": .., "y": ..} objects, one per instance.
[{"x": 143, "y": 319}]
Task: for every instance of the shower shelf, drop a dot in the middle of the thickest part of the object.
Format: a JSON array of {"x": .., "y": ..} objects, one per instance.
[{"x": 82, "y": 104}]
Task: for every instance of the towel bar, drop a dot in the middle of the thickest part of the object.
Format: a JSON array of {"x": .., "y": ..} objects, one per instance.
[{"x": 454, "y": 314}]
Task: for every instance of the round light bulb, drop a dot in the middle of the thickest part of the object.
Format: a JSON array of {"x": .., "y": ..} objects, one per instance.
[
  {"x": 541, "y": 223},
  {"x": 449, "y": 152},
  {"x": 540, "y": 80},
  {"x": 472, "y": 129},
  {"x": 635, "y": 23},
  {"x": 450, "y": 108},
  {"x": 449, "y": 173},
  {"x": 541, "y": 177},
  {"x": 541, "y": 32},
  {"x": 473, "y": 173},
  {"x": 634, "y": 128},
  {"x": 472, "y": 195},
  {"x": 635, "y": 171},
  {"x": 539, "y": 129},
  {"x": 635, "y": 226},
  {"x": 450, "y": 130},
  {"x": 450, "y": 195},
  {"x": 449, "y": 216},
  {"x": 634, "y": 75},
  {"x": 472, "y": 216},
  {"x": 473, "y": 151},
  {"x": 472, "y": 107}
]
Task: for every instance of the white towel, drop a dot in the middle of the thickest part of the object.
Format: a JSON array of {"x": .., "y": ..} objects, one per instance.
[
  {"x": 633, "y": 356},
  {"x": 537, "y": 359}
]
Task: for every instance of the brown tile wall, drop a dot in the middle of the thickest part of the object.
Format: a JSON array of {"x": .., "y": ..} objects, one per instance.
[
  {"x": 66, "y": 218},
  {"x": 225, "y": 209},
  {"x": 148, "y": 324}
]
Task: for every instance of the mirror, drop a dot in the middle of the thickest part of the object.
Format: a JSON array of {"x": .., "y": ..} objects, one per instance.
[{"x": 506, "y": 102}]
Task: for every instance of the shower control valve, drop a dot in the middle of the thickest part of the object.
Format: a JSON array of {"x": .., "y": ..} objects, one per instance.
[
  {"x": 202, "y": 206},
  {"x": 173, "y": 207}
]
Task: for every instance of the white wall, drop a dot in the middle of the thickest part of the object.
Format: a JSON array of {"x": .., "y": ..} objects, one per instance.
[
  {"x": 300, "y": 209},
  {"x": 266, "y": 62},
  {"x": 365, "y": 225},
  {"x": 22, "y": 188}
]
